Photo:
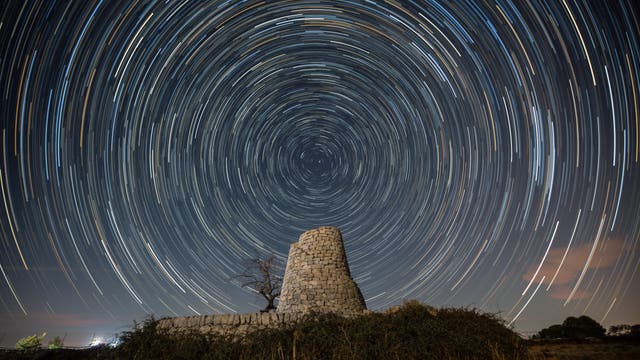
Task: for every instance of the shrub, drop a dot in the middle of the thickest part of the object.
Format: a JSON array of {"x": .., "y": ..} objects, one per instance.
[
  {"x": 619, "y": 330},
  {"x": 582, "y": 327},
  {"x": 552, "y": 332},
  {"x": 574, "y": 328},
  {"x": 413, "y": 331},
  {"x": 30, "y": 342},
  {"x": 56, "y": 343},
  {"x": 625, "y": 331}
]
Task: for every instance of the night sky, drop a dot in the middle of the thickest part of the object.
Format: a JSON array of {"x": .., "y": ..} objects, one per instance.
[{"x": 481, "y": 154}]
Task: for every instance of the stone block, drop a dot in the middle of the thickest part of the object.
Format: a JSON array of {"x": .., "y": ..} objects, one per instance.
[
  {"x": 205, "y": 329},
  {"x": 254, "y": 318},
  {"x": 193, "y": 322},
  {"x": 225, "y": 319}
]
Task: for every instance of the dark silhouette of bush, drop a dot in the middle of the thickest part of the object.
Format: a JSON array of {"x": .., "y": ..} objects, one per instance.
[
  {"x": 573, "y": 328},
  {"x": 147, "y": 342},
  {"x": 624, "y": 332},
  {"x": 582, "y": 327},
  {"x": 619, "y": 330},
  {"x": 413, "y": 331},
  {"x": 552, "y": 332}
]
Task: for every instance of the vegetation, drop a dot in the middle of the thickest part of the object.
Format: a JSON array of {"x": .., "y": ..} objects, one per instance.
[
  {"x": 56, "y": 343},
  {"x": 30, "y": 342},
  {"x": 583, "y": 350},
  {"x": 584, "y": 338},
  {"x": 573, "y": 328},
  {"x": 262, "y": 277},
  {"x": 413, "y": 331},
  {"x": 625, "y": 330}
]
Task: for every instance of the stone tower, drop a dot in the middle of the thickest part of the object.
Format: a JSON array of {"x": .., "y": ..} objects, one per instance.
[{"x": 317, "y": 276}]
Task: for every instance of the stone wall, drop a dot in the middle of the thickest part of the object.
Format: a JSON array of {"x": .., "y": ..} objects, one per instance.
[
  {"x": 227, "y": 324},
  {"x": 317, "y": 276},
  {"x": 317, "y": 279}
]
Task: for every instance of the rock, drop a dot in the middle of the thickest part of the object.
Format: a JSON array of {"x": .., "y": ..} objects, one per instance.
[{"x": 205, "y": 329}]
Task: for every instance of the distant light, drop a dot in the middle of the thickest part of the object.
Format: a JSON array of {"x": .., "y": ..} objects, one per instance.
[
  {"x": 114, "y": 343},
  {"x": 96, "y": 341}
]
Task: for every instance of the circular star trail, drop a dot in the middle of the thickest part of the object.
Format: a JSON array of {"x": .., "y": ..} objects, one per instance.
[{"x": 473, "y": 153}]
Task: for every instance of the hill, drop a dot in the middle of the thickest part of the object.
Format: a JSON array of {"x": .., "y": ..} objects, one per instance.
[{"x": 412, "y": 331}]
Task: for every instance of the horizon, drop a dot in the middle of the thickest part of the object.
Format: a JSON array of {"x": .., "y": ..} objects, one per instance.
[
  {"x": 472, "y": 155},
  {"x": 110, "y": 336}
]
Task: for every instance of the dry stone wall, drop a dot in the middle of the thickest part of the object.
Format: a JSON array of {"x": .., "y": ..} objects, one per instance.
[
  {"x": 227, "y": 324},
  {"x": 317, "y": 279},
  {"x": 317, "y": 276}
]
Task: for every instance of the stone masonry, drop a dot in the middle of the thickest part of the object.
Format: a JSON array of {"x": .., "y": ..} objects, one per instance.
[
  {"x": 227, "y": 324},
  {"x": 317, "y": 277}
]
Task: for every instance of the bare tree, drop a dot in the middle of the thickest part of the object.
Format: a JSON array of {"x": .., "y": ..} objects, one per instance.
[{"x": 261, "y": 276}]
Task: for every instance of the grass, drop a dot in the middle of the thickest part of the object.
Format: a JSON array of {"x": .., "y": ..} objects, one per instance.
[
  {"x": 608, "y": 349},
  {"x": 412, "y": 331}
]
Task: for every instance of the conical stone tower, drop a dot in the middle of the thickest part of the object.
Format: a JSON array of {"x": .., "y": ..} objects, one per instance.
[{"x": 317, "y": 277}]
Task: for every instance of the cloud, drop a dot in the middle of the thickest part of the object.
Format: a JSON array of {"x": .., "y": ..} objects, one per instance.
[
  {"x": 576, "y": 257},
  {"x": 562, "y": 292}
]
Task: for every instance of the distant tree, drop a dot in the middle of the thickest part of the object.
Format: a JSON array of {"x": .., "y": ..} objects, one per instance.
[
  {"x": 582, "y": 327},
  {"x": 552, "y": 332},
  {"x": 56, "y": 343},
  {"x": 573, "y": 328},
  {"x": 262, "y": 277},
  {"x": 635, "y": 331},
  {"x": 619, "y": 330},
  {"x": 30, "y": 342}
]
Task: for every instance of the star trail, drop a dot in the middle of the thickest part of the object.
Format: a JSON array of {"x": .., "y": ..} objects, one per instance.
[{"x": 473, "y": 153}]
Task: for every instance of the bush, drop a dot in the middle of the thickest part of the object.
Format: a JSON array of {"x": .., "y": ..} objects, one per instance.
[
  {"x": 574, "y": 328},
  {"x": 582, "y": 327},
  {"x": 552, "y": 332},
  {"x": 146, "y": 342},
  {"x": 32, "y": 342},
  {"x": 413, "y": 331},
  {"x": 625, "y": 331},
  {"x": 56, "y": 343},
  {"x": 619, "y": 330}
]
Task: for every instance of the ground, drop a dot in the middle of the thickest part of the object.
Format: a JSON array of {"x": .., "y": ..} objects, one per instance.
[{"x": 586, "y": 350}]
